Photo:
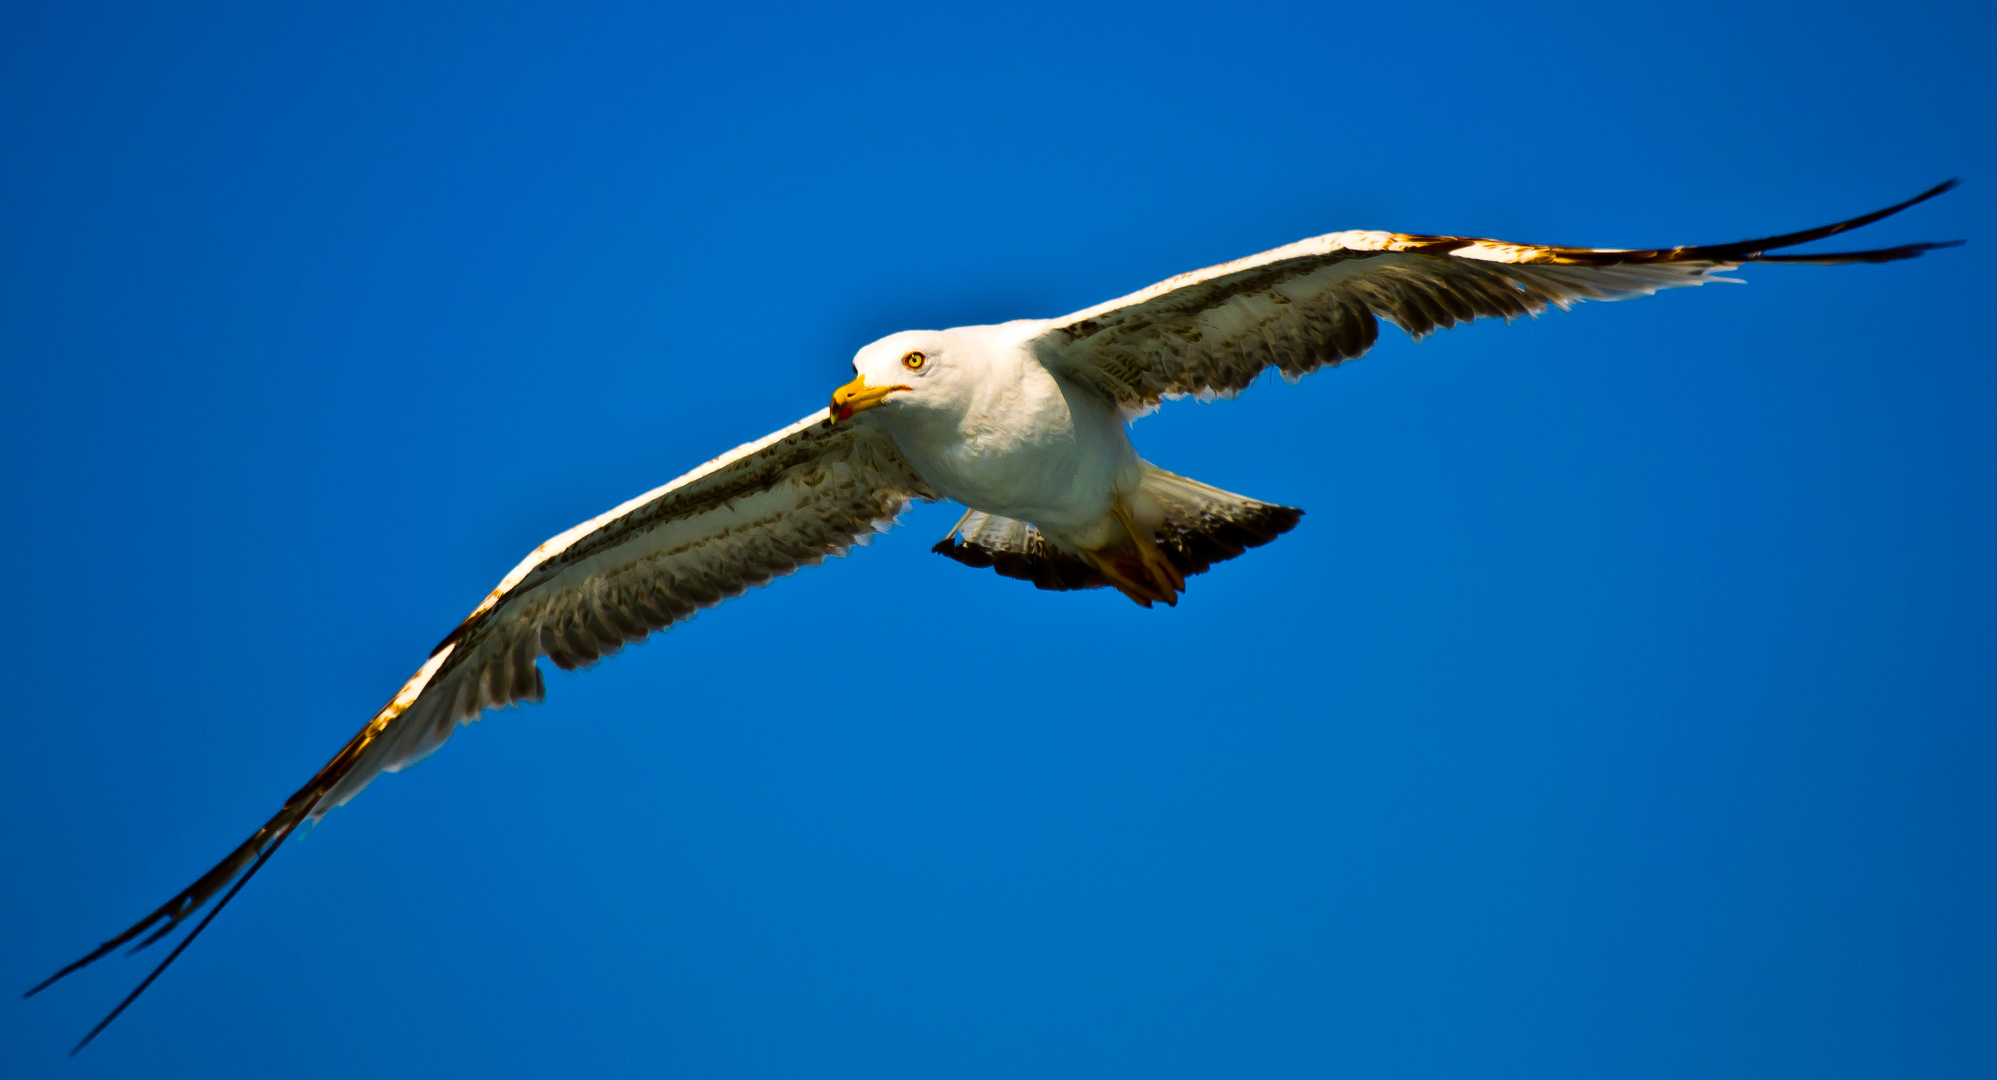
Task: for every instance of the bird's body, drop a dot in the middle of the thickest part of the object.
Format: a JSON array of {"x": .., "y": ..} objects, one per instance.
[
  {"x": 1024, "y": 423},
  {"x": 1014, "y": 439}
]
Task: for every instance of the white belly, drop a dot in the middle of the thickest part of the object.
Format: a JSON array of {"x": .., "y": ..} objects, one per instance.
[{"x": 1049, "y": 454}]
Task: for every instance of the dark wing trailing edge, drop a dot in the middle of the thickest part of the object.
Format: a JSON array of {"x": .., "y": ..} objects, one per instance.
[
  {"x": 758, "y": 512},
  {"x": 1318, "y": 302}
]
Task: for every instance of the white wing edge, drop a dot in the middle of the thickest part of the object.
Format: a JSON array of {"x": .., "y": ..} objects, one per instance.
[
  {"x": 560, "y": 542},
  {"x": 412, "y": 691},
  {"x": 1714, "y": 256},
  {"x": 1349, "y": 240}
]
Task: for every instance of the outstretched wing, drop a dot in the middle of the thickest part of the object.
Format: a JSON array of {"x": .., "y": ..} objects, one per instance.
[
  {"x": 1318, "y": 302},
  {"x": 762, "y": 510}
]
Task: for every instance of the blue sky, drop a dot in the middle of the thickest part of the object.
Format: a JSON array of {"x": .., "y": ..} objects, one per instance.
[{"x": 1622, "y": 707}]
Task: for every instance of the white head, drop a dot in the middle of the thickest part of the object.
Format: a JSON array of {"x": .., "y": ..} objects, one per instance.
[{"x": 913, "y": 372}]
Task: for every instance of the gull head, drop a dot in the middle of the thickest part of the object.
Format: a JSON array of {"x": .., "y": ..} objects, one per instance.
[{"x": 913, "y": 371}]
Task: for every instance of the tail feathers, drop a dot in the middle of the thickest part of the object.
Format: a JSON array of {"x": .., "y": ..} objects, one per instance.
[{"x": 1203, "y": 525}]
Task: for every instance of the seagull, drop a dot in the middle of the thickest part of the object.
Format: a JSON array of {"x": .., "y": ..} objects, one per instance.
[{"x": 1024, "y": 423}]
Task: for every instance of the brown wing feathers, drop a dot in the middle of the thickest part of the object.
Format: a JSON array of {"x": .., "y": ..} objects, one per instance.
[
  {"x": 809, "y": 492},
  {"x": 1318, "y": 302}
]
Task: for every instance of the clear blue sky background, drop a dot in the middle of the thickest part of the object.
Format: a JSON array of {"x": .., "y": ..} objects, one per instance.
[{"x": 1622, "y": 708}]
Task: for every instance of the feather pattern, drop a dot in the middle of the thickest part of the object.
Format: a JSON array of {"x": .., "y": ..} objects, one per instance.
[
  {"x": 758, "y": 512},
  {"x": 1017, "y": 550},
  {"x": 1202, "y": 525},
  {"x": 1318, "y": 302}
]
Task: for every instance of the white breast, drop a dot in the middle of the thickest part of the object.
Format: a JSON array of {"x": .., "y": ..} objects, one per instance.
[{"x": 1027, "y": 446}]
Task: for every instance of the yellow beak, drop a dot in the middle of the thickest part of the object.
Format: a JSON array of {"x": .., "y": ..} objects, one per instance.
[{"x": 858, "y": 397}]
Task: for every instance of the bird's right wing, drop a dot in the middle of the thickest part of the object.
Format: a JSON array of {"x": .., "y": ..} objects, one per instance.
[
  {"x": 1318, "y": 302},
  {"x": 762, "y": 510}
]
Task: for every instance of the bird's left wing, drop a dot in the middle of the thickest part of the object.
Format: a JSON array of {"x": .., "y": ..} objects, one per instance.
[
  {"x": 762, "y": 510},
  {"x": 1318, "y": 302}
]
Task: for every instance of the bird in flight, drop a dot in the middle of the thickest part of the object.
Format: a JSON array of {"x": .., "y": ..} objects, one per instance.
[{"x": 1024, "y": 423}]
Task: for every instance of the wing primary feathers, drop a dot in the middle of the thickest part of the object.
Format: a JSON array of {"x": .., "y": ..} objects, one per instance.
[
  {"x": 1877, "y": 255},
  {"x": 253, "y": 852},
  {"x": 177, "y": 949},
  {"x": 1751, "y": 250},
  {"x": 581, "y": 595},
  {"x": 1807, "y": 235},
  {"x": 173, "y": 911},
  {"x": 1319, "y": 301}
]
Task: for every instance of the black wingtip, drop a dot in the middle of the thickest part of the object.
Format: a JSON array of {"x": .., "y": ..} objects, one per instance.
[
  {"x": 168, "y": 915},
  {"x": 1756, "y": 250},
  {"x": 1753, "y": 248},
  {"x": 1942, "y": 188},
  {"x": 99, "y": 953},
  {"x": 262, "y": 858},
  {"x": 1876, "y": 255},
  {"x": 1947, "y": 185}
]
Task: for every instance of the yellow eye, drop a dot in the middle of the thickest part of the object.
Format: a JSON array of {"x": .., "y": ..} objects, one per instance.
[{"x": 913, "y": 361}]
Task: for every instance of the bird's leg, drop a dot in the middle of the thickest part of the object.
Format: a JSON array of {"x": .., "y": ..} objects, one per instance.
[
  {"x": 1156, "y": 566},
  {"x": 1127, "y": 574},
  {"x": 1142, "y": 572}
]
